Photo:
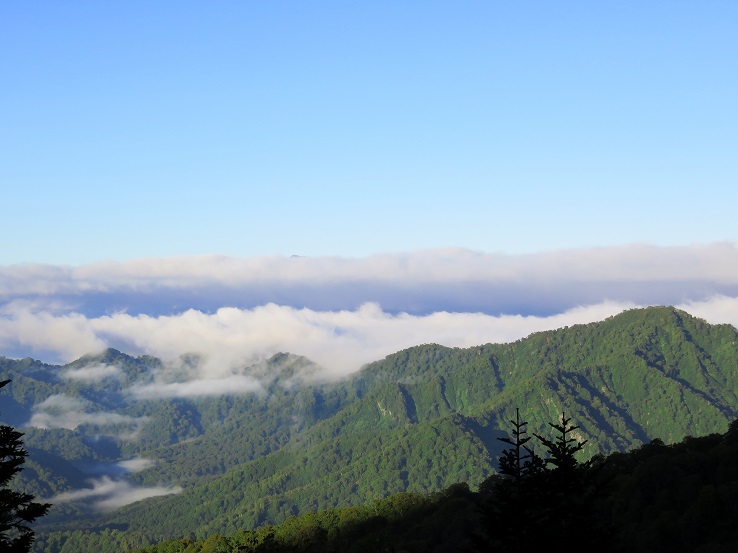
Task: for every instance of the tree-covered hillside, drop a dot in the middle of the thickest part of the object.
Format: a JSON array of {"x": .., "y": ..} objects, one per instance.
[
  {"x": 417, "y": 421},
  {"x": 655, "y": 498}
]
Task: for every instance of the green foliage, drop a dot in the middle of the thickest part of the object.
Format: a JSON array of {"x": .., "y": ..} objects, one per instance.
[
  {"x": 657, "y": 498},
  {"x": 678, "y": 498},
  {"x": 403, "y": 522},
  {"x": 415, "y": 422}
]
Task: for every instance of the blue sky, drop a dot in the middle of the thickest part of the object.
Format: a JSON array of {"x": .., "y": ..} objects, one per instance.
[
  {"x": 159, "y": 129},
  {"x": 456, "y": 173},
  {"x": 451, "y": 172}
]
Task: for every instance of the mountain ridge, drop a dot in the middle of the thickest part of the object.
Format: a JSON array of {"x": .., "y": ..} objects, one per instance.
[{"x": 418, "y": 420}]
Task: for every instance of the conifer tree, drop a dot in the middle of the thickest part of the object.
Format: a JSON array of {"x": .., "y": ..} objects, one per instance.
[
  {"x": 507, "y": 508},
  {"x": 17, "y": 510},
  {"x": 562, "y": 451},
  {"x": 567, "y": 492},
  {"x": 520, "y": 461},
  {"x": 535, "y": 502}
]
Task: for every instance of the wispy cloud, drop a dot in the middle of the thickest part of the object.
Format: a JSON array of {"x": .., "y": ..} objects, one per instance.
[
  {"x": 93, "y": 373},
  {"x": 107, "y": 494},
  {"x": 136, "y": 464},
  {"x": 61, "y": 411},
  {"x": 237, "y": 384}
]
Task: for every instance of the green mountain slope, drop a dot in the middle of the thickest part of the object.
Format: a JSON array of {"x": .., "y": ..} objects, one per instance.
[
  {"x": 677, "y": 498},
  {"x": 418, "y": 420}
]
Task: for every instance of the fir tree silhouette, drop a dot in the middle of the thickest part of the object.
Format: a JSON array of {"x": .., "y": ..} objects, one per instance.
[
  {"x": 17, "y": 510},
  {"x": 539, "y": 502}
]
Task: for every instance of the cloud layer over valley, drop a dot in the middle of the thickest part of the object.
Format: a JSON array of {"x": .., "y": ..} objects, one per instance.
[
  {"x": 61, "y": 411},
  {"x": 110, "y": 491},
  {"x": 214, "y": 320},
  {"x": 340, "y": 313}
]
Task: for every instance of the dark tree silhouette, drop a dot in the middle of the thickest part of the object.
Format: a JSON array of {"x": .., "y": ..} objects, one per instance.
[
  {"x": 520, "y": 461},
  {"x": 508, "y": 496},
  {"x": 568, "y": 492},
  {"x": 562, "y": 451},
  {"x": 535, "y": 502},
  {"x": 17, "y": 510}
]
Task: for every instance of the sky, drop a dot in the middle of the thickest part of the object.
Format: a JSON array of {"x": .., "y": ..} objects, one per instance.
[
  {"x": 140, "y": 129},
  {"x": 450, "y": 172}
]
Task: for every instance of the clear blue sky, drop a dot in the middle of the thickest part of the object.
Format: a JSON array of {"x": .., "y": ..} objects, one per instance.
[{"x": 150, "y": 129}]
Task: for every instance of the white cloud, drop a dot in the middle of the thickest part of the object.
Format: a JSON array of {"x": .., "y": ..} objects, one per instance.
[
  {"x": 62, "y": 411},
  {"x": 137, "y": 464},
  {"x": 93, "y": 373},
  {"x": 423, "y": 282},
  {"x": 68, "y": 335},
  {"x": 108, "y": 494},
  {"x": 341, "y": 342},
  {"x": 236, "y": 384},
  {"x": 340, "y": 313},
  {"x": 715, "y": 310},
  {"x": 636, "y": 262}
]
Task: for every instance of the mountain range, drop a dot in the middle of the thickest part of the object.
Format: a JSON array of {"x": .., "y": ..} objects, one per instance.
[{"x": 109, "y": 429}]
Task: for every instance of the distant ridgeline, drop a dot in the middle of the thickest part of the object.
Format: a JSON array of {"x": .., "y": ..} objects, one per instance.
[{"x": 418, "y": 421}]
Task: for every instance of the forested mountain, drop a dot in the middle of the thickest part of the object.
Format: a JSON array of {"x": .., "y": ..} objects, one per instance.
[
  {"x": 656, "y": 498},
  {"x": 417, "y": 421}
]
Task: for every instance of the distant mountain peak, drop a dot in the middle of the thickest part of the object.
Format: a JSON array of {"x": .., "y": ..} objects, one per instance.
[{"x": 108, "y": 356}]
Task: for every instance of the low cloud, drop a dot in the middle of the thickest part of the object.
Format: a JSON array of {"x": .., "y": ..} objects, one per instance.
[
  {"x": 108, "y": 494},
  {"x": 65, "y": 335},
  {"x": 715, "y": 310},
  {"x": 340, "y": 342},
  {"x": 93, "y": 373},
  {"x": 62, "y": 411},
  {"x": 137, "y": 464},
  {"x": 198, "y": 388}
]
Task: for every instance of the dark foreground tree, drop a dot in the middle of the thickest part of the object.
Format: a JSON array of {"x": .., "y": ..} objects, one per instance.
[
  {"x": 535, "y": 502},
  {"x": 520, "y": 461},
  {"x": 17, "y": 510},
  {"x": 507, "y": 497},
  {"x": 568, "y": 492}
]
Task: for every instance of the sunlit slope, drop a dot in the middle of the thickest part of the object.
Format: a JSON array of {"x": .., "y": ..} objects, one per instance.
[{"x": 428, "y": 416}]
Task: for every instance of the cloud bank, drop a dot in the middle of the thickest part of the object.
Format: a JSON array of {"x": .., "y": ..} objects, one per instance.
[
  {"x": 453, "y": 280},
  {"x": 340, "y": 313}
]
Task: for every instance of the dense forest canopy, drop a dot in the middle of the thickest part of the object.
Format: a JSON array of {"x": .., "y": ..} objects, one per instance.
[{"x": 416, "y": 422}]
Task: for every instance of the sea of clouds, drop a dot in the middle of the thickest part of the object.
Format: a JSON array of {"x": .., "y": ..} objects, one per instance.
[{"x": 341, "y": 312}]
